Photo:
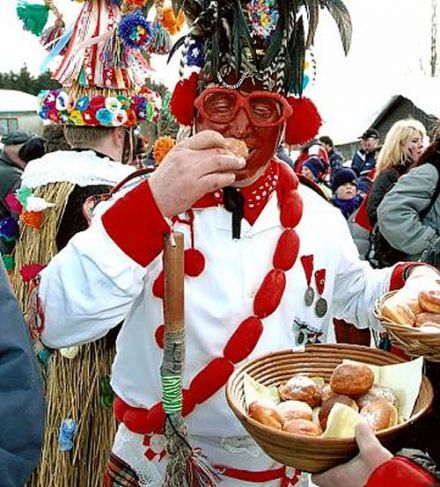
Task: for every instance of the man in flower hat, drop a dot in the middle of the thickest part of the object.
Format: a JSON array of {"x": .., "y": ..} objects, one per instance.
[
  {"x": 101, "y": 101},
  {"x": 263, "y": 253}
]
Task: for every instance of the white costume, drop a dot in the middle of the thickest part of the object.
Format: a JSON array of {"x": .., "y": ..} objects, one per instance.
[{"x": 94, "y": 286}]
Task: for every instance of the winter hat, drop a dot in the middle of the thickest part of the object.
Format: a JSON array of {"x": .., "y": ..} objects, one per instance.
[
  {"x": 315, "y": 165},
  {"x": 343, "y": 176}
]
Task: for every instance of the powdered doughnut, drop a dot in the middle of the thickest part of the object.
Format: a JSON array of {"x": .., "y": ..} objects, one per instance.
[
  {"x": 380, "y": 414},
  {"x": 295, "y": 410},
  {"x": 301, "y": 388},
  {"x": 378, "y": 392}
]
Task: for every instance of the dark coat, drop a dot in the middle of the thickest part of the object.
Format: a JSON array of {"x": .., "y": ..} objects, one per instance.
[
  {"x": 21, "y": 394},
  {"x": 9, "y": 180}
]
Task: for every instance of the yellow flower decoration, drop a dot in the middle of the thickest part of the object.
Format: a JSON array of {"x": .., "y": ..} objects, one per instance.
[
  {"x": 161, "y": 147},
  {"x": 76, "y": 117}
]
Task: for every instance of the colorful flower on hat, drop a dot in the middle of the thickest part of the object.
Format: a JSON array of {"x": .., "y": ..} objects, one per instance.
[
  {"x": 82, "y": 103},
  {"x": 64, "y": 102},
  {"x": 104, "y": 116},
  {"x": 97, "y": 102},
  {"x": 89, "y": 117},
  {"x": 112, "y": 104},
  {"x": 76, "y": 118},
  {"x": 119, "y": 118},
  {"x": 135, "y": 30},
  {"x": 131, "y": 118},
  {"x": 263, "y": 17},
  {"x": 53, "y": 115},
  {"x": 125, "y": 101}
]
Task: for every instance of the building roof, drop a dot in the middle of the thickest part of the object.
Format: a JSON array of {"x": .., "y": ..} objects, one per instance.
[{"x": 17, "y": 101}]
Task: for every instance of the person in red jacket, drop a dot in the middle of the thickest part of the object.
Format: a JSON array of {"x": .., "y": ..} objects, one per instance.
[{"x": 375, "y": 466}]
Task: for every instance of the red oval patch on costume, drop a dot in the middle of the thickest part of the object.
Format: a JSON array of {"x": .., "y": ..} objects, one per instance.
[
  {"x": 160, "y": 330},
  {"x": 212, "y": 378},
  {"x": 194, "y": 262},
  {"x": 244, "y": 340},
  {"x": 269, "y": 295},
  {"x": 291, "y": 209},
  {"x": 286, "y": 251}
]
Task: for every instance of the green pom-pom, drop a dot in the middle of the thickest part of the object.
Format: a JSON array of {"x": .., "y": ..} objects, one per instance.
[
  {"x": 33, "y": 16},
  {"x": 23, "y": 194},
  {"x": 8, "y": 261}
]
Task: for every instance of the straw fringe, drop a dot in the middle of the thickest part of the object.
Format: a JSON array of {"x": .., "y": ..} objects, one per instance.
[{"x": 72, "y": 385}]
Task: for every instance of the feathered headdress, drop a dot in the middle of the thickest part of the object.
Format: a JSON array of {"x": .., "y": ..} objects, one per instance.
[{"x": 265, "y": 41}]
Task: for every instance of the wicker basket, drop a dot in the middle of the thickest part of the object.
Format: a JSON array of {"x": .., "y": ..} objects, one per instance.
[
  {"x": 311, "y": 454},
  {"x": 412, "y": 341}
]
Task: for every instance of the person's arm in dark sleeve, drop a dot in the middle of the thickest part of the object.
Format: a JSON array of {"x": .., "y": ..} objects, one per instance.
[
  {"x": 382, "y": 184},
  {"x": 21, "y": 394},
  {"x": 74, "y": 220}
]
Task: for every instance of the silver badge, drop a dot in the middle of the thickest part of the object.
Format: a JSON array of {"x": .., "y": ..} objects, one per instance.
[
  {"x": 321, "y": 307},
  {"x": 309, "y": 296}
]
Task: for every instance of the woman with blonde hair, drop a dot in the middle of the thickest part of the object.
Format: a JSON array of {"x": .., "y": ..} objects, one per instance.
[{"x": 402, "y": 148}]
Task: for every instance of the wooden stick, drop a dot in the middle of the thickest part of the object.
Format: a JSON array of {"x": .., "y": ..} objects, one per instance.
[{"x": 174, "y": 277}]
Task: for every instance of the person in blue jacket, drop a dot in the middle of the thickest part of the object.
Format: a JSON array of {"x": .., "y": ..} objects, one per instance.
[{"x": 21, "y": 394}]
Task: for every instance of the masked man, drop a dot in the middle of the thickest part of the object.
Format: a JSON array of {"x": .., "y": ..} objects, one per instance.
[{"x": 262, "y": 252}]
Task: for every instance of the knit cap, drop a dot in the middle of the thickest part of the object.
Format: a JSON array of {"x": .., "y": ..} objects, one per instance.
[{"x": 343, "y": 176}]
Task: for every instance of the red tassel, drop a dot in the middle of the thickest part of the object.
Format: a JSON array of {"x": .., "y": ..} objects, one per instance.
[
  {"x": 182, "y": 100},
  {"x": 304, "y": 123}
]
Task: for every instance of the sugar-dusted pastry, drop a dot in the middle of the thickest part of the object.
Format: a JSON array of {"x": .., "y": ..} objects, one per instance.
[
  {"x": 295, "y": 410},
  {"x": 380, "y": 414},
  {"x": 301, "y": 388},
  {"x": 378, "y": 392}
]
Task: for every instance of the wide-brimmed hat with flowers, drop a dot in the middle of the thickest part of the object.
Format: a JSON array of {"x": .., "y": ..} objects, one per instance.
[{"x": 103, "y": 59}]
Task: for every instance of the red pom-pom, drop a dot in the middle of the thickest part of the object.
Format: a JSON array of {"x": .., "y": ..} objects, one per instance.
[
  {"x": 194, "y": 262},
  {"x": 158, "y": 335},
  {"x": 137, "y": 420},
  {"x": 119, "y": 409},
  {"x": 304, "y": 122},
  {"x": 291, "y": 210},
  {"x": 182, "y": 100}
]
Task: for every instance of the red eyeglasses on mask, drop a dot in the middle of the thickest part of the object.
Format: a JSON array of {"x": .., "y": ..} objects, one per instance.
[{"x": 263, "y": 108}]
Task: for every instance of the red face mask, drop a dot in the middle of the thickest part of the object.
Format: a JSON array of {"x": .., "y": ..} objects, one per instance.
[{"x": 256, "y": 118}]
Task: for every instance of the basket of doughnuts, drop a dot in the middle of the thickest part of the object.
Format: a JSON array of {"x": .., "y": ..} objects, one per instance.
[
  {"x": 414, "y": 328},
  {"x": 304, "y": 405}
]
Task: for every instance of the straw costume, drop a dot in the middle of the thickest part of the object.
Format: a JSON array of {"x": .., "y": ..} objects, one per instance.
[
  {"x": 101, "y": 80},
  {"x": 266, "y": 267}
]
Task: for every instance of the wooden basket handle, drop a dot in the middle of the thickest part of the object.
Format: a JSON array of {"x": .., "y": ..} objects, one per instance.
[{"x": 174, "y": 278}]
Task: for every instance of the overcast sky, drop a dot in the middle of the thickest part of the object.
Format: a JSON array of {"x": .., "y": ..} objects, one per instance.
[{"x": 391, "y": 41}]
